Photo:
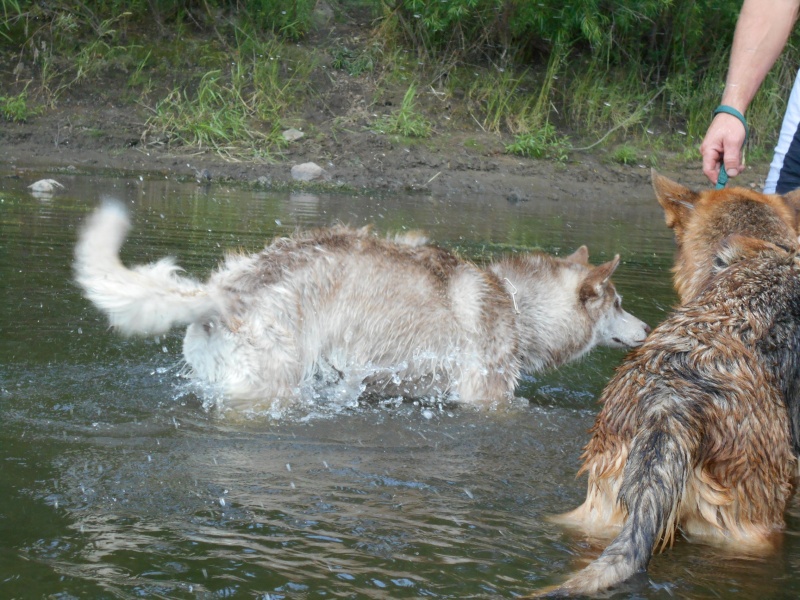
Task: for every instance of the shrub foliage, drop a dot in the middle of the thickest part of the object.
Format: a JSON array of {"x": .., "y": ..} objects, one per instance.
[{"x": 631, "y": 67}]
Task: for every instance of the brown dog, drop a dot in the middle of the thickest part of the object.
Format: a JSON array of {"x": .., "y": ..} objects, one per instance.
[
  {"x": 694, "y": 432},
  {"x": 702, "y": 220}
]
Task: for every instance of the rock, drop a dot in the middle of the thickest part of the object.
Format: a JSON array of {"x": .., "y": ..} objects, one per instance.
[
  {"x": 515, "y": 197},
  {"x": 47, "y": 186},
  {"x": 309, "y": 172},
  {"x": 292, "y": 135}
]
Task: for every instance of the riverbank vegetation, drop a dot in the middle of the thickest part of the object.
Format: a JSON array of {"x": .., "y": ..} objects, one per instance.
[{"x": 551, "y": 78}]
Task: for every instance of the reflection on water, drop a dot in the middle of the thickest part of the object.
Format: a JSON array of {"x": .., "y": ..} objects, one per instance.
[{"x": 115, "y": 482}]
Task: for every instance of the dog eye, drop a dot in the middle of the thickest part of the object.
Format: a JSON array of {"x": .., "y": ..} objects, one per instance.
[{"x": 618, "y": 303}]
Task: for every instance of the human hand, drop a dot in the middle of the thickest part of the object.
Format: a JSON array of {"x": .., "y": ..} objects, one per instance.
[{"x": 723, "y": 145}]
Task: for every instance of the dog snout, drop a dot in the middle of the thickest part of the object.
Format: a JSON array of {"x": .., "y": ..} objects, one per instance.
[{"x": 636, "y": 339}]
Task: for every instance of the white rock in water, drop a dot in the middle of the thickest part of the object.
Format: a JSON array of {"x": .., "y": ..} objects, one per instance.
[
  {"x": 45, "y": 185},
  {"x": 308, "y": 172},
  {"x": 292, "y": 135}
]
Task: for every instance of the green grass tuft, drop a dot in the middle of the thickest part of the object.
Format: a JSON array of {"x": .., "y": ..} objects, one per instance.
[
  {"x": 16, "y": 108},
  {"x": 406, "y": 121},
  {"x": 544, "y": 142},
  {"x": 625, "y": 154}
]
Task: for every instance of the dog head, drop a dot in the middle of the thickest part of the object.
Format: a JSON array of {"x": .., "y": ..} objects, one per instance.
[
  {"x": 565, "y": 307},
  {"x": 616, "y": 327},
  {"x": 701, "y": 221}
]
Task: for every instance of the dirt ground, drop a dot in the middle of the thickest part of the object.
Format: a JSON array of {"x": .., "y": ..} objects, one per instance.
[{"x": 93, "y": 129}]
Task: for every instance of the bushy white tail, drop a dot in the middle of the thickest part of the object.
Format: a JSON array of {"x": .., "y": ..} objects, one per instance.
[{"x": 147, "y": 299}]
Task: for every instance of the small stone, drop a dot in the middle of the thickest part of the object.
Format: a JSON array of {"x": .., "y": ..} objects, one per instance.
[
  {"x": 515, "y": 197},
  {"x": 309, "y": 172},
  {"x": 292, "y": 135},
  {"x": 45, "y": 185}
]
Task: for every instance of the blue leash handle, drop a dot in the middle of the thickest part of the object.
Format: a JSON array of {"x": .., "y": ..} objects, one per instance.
[{"x": 722, "y": 179}]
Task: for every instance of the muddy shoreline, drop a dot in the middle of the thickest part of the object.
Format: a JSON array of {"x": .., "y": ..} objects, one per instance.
[{"x": 86, "y": 139}]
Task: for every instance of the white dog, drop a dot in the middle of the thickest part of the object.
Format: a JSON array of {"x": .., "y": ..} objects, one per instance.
[{"x": 425, "y": 321}]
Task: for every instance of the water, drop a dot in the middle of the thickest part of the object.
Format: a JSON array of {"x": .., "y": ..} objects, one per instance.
[{"x": 115, "y": 483}]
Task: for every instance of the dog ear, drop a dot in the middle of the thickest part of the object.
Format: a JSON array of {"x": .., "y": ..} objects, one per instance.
[
  {"x": 792, "y": 200},
  {"x": 594, "y": 282},
  {"x": 736, "y": 247},
  {"x": 676, "y": 200},
  {"x": 580, "y": 256}
]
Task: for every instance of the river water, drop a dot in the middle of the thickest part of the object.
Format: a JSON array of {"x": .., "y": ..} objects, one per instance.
[{"x": 116, "y": 483}]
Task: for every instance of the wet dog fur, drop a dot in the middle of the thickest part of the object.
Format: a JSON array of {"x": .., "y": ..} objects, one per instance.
[
  {"x": 702, "y": 220},
  {"x": 694, "y": 432},
  {"x": 424, "y": 321}
]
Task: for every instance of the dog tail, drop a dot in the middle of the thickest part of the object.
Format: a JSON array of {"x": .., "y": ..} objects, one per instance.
[
  {"x": 147, "y": 299},
  {"x": 653, "y": 483}
]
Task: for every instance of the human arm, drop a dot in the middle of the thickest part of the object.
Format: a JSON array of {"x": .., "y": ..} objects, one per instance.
[{"x": 761, "y": 33}]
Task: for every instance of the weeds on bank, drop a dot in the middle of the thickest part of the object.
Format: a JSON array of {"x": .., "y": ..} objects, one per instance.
[
  {"x": 496, "y": 100},
  {"x": 609, "y": 73},
  {"x": 406, "y": 121},
  {"x": 625, "y": 154},
  {"x": 211, "y": 118},
  {"x": 354, "y": 62},
  {"x": 16, "y": 108},
  {"x": 544, "y": 142},
  {"x": 237, "y": 108},
  {"x": 102, "y": 52},
  {"x": 229, "y": 95}
]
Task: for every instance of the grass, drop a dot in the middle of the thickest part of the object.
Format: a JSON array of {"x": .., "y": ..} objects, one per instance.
[
  {"x": 496, "y": 100},
  {"x": 406, "y": 121},
  {"x": 354, "y": 62},
  {"x": 238, "y": 107},
  {"x": 544, "y": 142},
  {"x": 625, "y": 154},
  {"x": 233, "y": 87},
  {"x": 16, "y": 108},
  {"x": 218, "y": 115}
]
